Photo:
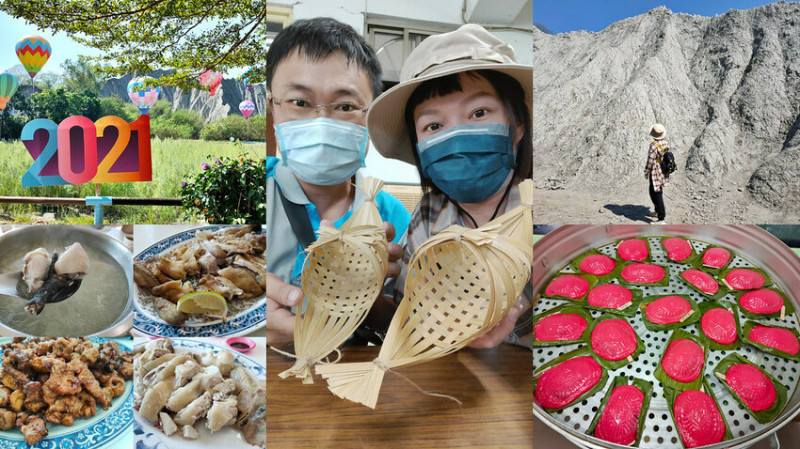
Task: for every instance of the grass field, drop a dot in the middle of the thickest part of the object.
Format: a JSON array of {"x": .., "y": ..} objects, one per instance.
[{"x": 173, "y": 161}]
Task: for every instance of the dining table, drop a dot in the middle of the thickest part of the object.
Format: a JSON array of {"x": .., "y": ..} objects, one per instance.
[{"x": 493, "y": 386}]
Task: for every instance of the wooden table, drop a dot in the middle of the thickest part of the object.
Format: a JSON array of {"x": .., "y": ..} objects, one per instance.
[{"x": 493, "y": 384}]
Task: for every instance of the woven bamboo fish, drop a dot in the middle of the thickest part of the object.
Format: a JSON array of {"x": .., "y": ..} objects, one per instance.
[
  {"x": 342, "y": 276},
  {"x": 460, "y": 283}
]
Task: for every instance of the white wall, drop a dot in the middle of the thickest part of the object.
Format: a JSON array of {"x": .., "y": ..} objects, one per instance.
[{"x": 447, "y": 13}]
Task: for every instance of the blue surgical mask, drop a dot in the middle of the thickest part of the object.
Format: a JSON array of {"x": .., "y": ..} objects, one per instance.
[
  {"x": 469, "y": 162},
  {"x": 322, "y": 151}
]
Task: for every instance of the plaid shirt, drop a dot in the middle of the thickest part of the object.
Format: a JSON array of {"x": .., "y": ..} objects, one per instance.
[
  {"x": 434, "y": 213},
  {"x": 653, "y": 168}
]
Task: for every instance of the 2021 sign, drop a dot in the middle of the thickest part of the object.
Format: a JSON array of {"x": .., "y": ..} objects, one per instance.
[{"x": 78, "y": 151}]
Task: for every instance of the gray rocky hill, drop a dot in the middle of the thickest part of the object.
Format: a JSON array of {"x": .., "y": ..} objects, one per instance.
[
  {"x": 225, "y": 101},
  {"x": 727, "y": 88}
]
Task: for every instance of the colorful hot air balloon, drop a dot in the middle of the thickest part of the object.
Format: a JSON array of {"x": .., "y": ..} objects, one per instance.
[
  {"x": 212, "y": 80},
  {"x": 8, "y": 85},
  {"x": 33, "y": 52},
  {"x": 246, "y": 78},
  {"x": 247, "y": 108},
  {"x": 142, "y": 96}
]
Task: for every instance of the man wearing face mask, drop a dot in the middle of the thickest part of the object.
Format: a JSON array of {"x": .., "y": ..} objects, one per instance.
[{"x": 321, "y": 79}]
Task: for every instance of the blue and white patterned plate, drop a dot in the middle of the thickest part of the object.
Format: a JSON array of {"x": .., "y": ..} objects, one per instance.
[
  {"x": 149, "y": 323},
  {"x": 147, "y": 436},
  {"x": 101, "y": 431}
]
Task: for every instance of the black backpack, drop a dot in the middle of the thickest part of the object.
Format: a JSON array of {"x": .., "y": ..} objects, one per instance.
[{"x": 668, "y": 165}]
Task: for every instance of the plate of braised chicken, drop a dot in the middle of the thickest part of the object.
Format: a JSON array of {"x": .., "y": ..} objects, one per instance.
[
  {"x": 65, "y": 392},
  {"x": 223, "y": 265}
]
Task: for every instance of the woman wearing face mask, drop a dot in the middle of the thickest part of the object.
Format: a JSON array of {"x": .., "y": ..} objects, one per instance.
[
  {"x": 460, "y": 114},
  {"x": 321, "y": 77}
]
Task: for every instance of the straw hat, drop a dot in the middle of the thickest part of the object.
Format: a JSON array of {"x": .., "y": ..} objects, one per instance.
[
  {"x": 658, "y": 131},
  {"x": 470, "y": 47}
]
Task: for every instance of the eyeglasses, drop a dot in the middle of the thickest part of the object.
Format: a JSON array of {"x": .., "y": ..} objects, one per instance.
[{"x": 299, "y": 109}]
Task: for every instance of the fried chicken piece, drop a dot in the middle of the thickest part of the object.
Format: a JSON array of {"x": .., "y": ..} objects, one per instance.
[
  {"x": 172, "y": 268},
  {"x": 63, "y": 347},
  {"x": 126, "y": 370},
  {"x": 37, "y": 365},
  {"x": 17, "y": 400},
  {"x": 59, "y": 411},
  {"x": 85, "y": 406},
  {"x": 116, "y": 383},
  {"x": 13, "y": 378},
  {"x": 208, "y": 263},
  {"x": 63, "y": 379},
  {"x": 34, "y": 399},
  {"x": 173, "y": 290},
  {"x": 33, "y": 429},
  {"x": 5, "y": 396},
  {"x": 169, "y": 312},
  {"x": 7, "y": 418},
  {"x": 221, "y": 285},
  {"x": 244, "y": 280},
  {"x": 89, "y": 382},
  {"x": 143, "y": 277}
]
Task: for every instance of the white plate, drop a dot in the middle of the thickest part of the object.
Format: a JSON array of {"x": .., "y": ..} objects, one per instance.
[
  {"x": 147, "y": 436},
  {"x": 146, "y": 321},
  {"x": 103, "y": 430}
]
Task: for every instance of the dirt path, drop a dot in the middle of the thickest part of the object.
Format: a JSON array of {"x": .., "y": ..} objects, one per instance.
[{"x": 684, "y": 204}]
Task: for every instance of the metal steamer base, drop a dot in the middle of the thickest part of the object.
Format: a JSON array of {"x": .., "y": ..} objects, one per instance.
[{"x": 753, "y": 247}]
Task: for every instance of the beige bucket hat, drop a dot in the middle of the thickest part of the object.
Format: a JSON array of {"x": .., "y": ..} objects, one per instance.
[
  {"x": 658, "y": 131},
  {"x": 470, "y": 47}
]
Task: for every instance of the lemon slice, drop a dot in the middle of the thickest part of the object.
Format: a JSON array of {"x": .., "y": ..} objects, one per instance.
[{"x": 207, "y": 303}]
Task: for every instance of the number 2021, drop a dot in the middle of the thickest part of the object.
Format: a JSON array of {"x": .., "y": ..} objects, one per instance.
[{"x": 78, "y": 151}]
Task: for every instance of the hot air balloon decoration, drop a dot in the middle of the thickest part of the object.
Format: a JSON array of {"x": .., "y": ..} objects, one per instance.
[
  {"x": 212, "y": 80},
  {"x": 33, "y": 52},
  {"x": 247, "y": 108},
  {"x": 8, "y": 85},
  {"x": 460, "y": 283},
  {"x": 246, "y": 78},
  {"x": 141, "y": 95}
]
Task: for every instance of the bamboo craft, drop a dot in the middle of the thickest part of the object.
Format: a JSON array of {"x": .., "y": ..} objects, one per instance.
[
  {"x": 460, "y": 283},
  {"x": 342, "y": 276}
]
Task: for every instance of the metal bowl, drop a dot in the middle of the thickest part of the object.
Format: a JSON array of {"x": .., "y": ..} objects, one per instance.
[
  {"x": 753, "y": 246},
  {"x": 110, "y": 279}
]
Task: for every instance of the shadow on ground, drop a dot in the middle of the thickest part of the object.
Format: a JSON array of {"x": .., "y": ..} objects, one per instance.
[{"x": 634, "y": 212}]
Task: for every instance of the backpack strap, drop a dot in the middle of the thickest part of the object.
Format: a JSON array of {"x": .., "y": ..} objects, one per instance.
[{"x": 298, "y": 219}]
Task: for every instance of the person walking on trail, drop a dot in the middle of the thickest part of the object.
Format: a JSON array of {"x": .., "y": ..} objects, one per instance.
[{"x": 653, "y": 172}]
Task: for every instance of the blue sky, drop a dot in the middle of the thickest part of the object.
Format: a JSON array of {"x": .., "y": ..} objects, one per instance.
[
  {"x": 63, "y": 47},
  {"x": 562, "y": 16}
]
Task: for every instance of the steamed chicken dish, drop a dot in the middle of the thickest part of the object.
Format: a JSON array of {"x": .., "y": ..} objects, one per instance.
[
  {"x": 177, "y": 390},
  {"x": 53, "y": 278},
  {"x": 48, "y": 380},
  {"x": 229, "y": 262}
]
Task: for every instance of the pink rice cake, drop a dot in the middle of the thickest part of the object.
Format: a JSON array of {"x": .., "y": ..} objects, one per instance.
[
  {"x": 719, "y": 325},
  {"x": 613, "y": 339},
  {"x": 752, "y": 386},
  {"x": 698, "y": 419},
  {"x": 610, "y": 296},
  {"x": 643, "y": 273},
  {"x": 777, "y": 338},
  {"x": 569, "y": 285},
  {"x": 683, "y": 360},
  {"x": 762, "y": 301},
  {"x": 744, "y": 279},
  {"x": 716, "y": 257},
  {"x": 560, "y": 327},
  {"x": 564, "y": 383},
  {"x": 633, "y": 249},
  {"x": 597, "y": 264},
  {"x": 667, "y": 310},
  {"x": 619, "y": 421},
  {"x": 678, "y": 249},
  {"x": 701, "y": 280}
]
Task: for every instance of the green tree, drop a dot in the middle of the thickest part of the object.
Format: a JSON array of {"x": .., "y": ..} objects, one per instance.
[
  {"x": 139, "y": 36},
  {"x": 119, "y": 108},
  {"x": 79, "y": 76}
]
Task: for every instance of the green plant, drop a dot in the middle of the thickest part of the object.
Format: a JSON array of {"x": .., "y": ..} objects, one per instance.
[{"x": 228, "y": 190}]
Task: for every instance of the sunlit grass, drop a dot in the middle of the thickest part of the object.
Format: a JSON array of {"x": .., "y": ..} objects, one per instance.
[{"x": 173, "y": 161}]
